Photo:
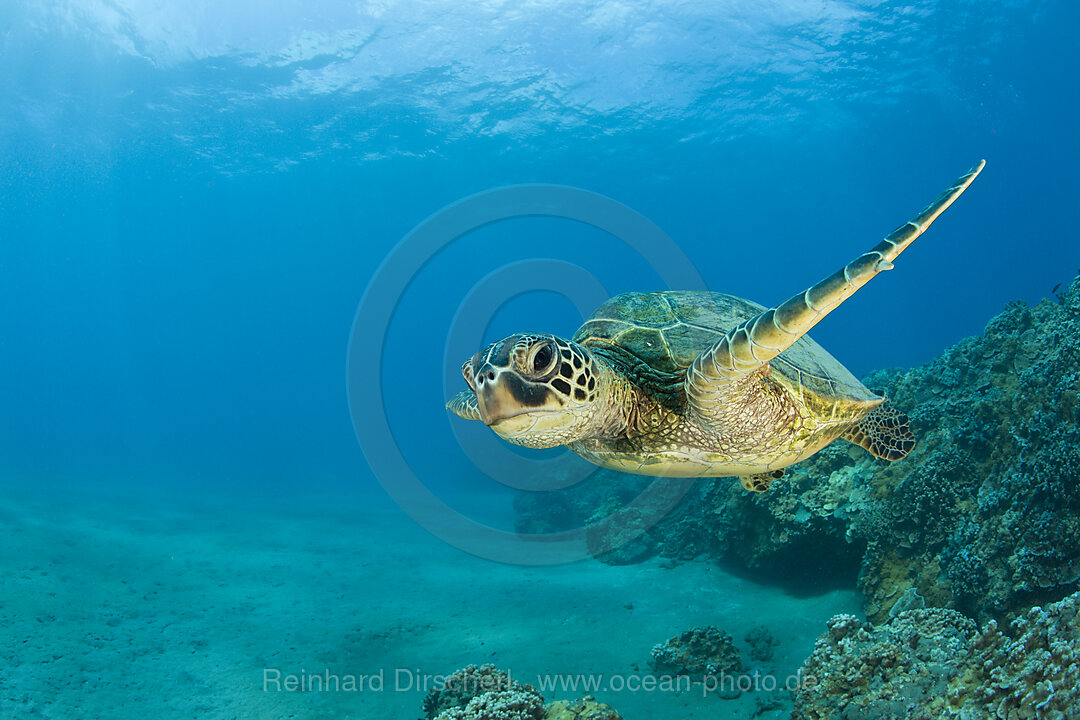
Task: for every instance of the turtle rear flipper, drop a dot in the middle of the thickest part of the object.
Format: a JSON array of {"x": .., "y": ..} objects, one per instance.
[
  {"x": 751, "y": 344},
  {"x": 761, "y": 481},
  {"x": 884, "y": 433}
]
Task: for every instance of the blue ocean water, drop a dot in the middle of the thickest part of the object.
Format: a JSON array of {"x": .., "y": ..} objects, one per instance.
[{"x": 195, "y": 197}]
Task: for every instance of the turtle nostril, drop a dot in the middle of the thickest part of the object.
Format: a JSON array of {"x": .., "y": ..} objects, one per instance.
[{"x": 490, "y": 375}]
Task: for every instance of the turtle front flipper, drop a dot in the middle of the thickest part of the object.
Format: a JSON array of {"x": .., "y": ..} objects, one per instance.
[
  {"x": 751, "y": 344},
  {"x": 465, "y": 405}
]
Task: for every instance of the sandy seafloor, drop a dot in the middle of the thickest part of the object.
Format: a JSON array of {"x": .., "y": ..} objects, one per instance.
[{"x": 118, "y": 603}]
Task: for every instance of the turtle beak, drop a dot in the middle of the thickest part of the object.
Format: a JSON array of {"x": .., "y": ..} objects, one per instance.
[{"x": 495, "y": 395}]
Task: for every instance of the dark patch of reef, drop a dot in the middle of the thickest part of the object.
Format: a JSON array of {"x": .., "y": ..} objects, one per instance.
[
  {"x": 699, "y": 654},
  {"x": 483, "y": 692},
  {"x": 982, "y": 517}
]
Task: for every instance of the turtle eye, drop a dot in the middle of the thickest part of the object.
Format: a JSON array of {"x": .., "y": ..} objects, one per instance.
[{"x": 543, "y": 358}]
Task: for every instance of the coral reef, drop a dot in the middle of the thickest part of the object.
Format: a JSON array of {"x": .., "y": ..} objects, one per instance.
[
  {"x": 701, "y": 654},
  {"x": 699, "y": 651},
  {"x": 899, "y": 670},
  {"x": 936, "y": 664},
  {"x": 463, "y": 686},
  {"x": 523, "y": 704},
  {"x": 706, "y": 655},
  {"x": 483, "y": 692}
]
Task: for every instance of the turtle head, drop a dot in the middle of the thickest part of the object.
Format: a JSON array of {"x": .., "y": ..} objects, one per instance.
[{"x": 533, "y": 390}]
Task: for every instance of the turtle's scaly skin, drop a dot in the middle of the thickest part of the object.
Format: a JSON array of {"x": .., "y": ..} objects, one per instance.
[{"x": 690, "y": 384}]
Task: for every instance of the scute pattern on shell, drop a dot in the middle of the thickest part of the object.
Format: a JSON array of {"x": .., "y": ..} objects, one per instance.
[{"x": 666, "y": 331}]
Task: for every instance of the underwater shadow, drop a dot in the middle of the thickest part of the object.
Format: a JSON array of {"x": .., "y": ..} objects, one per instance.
[{"x": 804, "y": 571}]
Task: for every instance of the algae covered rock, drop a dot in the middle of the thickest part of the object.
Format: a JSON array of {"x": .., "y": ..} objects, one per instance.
[
  {"x": 938, "y": 664},
  {"x": 706, "y": 656},
  {"x": 697, "y": 652}
]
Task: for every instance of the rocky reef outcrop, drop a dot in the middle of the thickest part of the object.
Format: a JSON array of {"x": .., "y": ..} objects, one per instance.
[
  {"x": 465, "y": 685},
  {"x": 500, "y": 705},
  {"x": 484, "y": 692},
  {"x": 936, "y": 663},
  {"x": 706, "y": 656},
  {"x": 697, "y": 652}
]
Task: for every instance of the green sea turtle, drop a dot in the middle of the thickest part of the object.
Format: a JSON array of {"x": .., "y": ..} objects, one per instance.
[{"x": 695, "y": 384}]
